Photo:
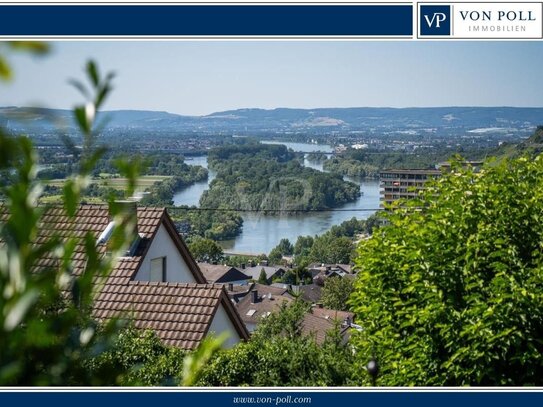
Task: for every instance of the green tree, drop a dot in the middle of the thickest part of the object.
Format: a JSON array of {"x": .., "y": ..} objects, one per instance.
[
  {"x": 262, "y": 278},
  {"x": 278, "y": 354},
  {"x": 331, "y": 249},
  {"x": 451, "y": 292},
  {"x": 206, "y": 250},
  {"x": 336, "y": 293},
  {"x": 275, "y": 256},
  {"x": 303, "y": 246},
  {"x": 285, "y": 247}
]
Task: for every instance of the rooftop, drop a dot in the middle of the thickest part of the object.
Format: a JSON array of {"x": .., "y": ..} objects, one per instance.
[
  {"x": 180, "y": 313},
  {"x": 218, "y": 273}
]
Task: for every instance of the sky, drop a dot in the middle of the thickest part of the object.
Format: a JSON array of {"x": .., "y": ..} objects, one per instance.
[{"x": 201, "y": 77}]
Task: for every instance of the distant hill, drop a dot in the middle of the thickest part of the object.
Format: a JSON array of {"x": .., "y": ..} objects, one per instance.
[
  {"x": 474, "y": 120},
  {"x": 531, "y": 147}
]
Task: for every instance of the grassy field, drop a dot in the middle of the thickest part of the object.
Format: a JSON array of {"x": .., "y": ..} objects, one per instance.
[
  {"x": 56, "y": 199},
  {"x": 144, "y": 181}
]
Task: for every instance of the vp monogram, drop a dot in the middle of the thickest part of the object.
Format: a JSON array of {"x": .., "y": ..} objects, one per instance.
[{"x": 437, "y": 18}]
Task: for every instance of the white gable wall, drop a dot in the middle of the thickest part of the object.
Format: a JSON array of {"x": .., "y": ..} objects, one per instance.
[
  {"x": 222, "y": 323},
  {"x": 163, "y": 246}
]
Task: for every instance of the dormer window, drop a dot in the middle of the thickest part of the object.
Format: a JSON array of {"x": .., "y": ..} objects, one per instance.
[{"x": 158, "y": 269}]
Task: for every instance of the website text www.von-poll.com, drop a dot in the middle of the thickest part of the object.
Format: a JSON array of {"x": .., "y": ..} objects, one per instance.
[{"x": 276, "y": 401}]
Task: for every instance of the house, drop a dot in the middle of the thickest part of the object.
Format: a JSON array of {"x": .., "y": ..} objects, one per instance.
[
  {"x": 271, "y": 272},
  {"x": 222, "y": 274},
  {"x": 261, "y": 301},
  {"x": 156, "y": 283},
  {"x": 320, "y": 272},
  {"x": 311, "y": 293},
  {"x": 319, "y": 328},
  {"x": 339, "y": 269},
  {"x": 332, "y": 314},
  {"x": 237, "y": 292},
  {"x": 321, "y": 321}
]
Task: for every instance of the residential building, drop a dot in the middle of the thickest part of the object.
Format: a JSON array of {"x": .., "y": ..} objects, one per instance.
[
  {"x": 340, "y": 269},
  {"x": 404, "y": 184},
  {"x": 222, "y": 274},
  {"x": 271, "y": 272},
  {"x": 157, "y": 284},
  {"x": 236, "y": 292},
  {"x": 319, "y": 328},
  {"x": 261, "y": 301},
  {"x": 311, "y": 293},
  {"x": 321, "y": 321}
]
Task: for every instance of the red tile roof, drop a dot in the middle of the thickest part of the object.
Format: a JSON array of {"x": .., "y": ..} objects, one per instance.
[
  {"x": 319, "y": 328},
  {"x": 180, "y": 314},
  {"x": 332, "y": 314}
]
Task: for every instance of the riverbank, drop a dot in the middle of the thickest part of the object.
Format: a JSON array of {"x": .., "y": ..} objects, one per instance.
[{"x": 262, "y": 232}]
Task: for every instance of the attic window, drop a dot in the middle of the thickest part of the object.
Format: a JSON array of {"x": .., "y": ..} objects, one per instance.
[
  {"x": 158, "y": 269},
  {"x": 251, "y": 312}
]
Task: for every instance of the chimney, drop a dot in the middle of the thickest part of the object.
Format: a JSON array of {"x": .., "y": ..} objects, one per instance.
[
  {"x": 347, "y": 321},
  {"x": 254, "y": 296},
  {"x": 243, "y": 266},
  {"x": 230, "y": 287}
]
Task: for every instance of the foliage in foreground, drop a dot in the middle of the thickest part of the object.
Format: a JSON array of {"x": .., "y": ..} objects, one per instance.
[
  {"x": 453, "y": 294},
  {"x": 141, "y": 359},
  {"x": 46, "y": 331},
  {"x": 278, "y": 355}
]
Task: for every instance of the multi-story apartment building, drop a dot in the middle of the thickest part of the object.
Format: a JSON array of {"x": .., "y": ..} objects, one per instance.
[{"x": 404, "y": 184}]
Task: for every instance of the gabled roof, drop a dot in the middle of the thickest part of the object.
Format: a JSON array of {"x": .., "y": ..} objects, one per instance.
[
  {"x": 319, "y": 328},
  {"x": 95, "y": 219},
  {"x": 347, "y": 268},
  {"x": 332, "y": 314},
  {"x": 251, "y": 313},
  {"x": 179, "y": 313},
  {"x": 217, "y": 273},
  {"x": 311, "y": 292},
  {"x": 254, "y": 272}
]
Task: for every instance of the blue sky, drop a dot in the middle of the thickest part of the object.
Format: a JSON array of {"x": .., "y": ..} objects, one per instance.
[{"x": 202, "y": 77}]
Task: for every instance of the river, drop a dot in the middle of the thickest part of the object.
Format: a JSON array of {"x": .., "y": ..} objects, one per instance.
[{"x": 261, "y": 233}]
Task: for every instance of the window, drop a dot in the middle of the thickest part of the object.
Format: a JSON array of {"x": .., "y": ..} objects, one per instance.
[{"x": 158, "y": 269}]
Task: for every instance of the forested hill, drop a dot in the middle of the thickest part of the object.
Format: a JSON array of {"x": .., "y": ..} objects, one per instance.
[
  {"x": 269, "y": 177},
  {"x": 342, "y": 120},
  {"x": 531, "y": 147}
]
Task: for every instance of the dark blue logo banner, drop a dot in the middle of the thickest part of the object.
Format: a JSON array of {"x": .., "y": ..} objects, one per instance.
[
  {"x": 206, "y": 20},
  {"x": 273, "y": 398}
]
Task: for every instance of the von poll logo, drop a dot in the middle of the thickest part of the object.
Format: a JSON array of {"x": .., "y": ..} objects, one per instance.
[{"x": 435, "y": 20}]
